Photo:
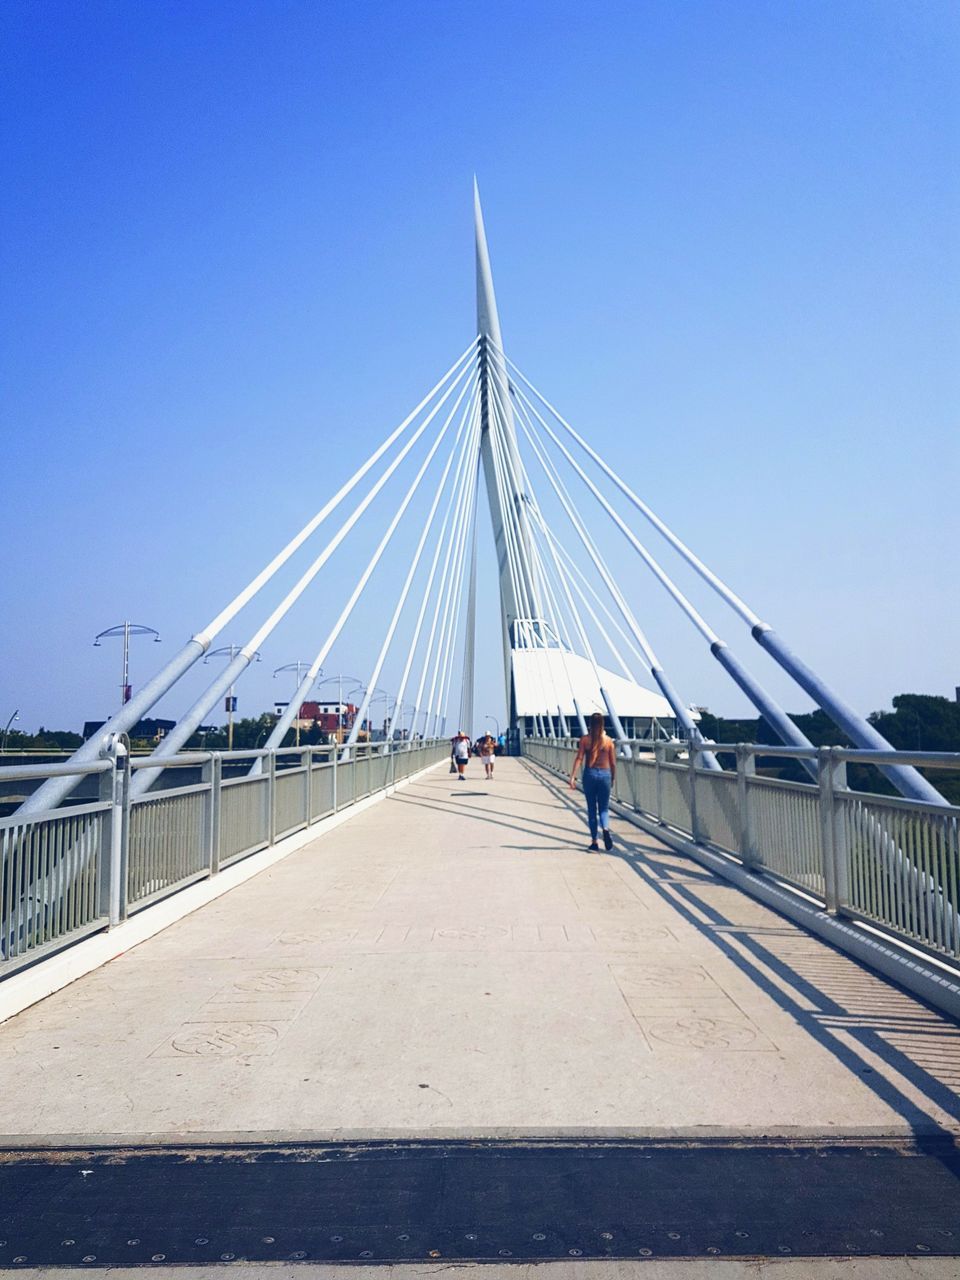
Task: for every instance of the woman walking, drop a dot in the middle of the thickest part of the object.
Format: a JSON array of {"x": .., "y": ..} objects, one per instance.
[
  {"x": 598, "y": 754},
  {"x": 488, "y": 751},
  {"x": 460, "y": 753}
]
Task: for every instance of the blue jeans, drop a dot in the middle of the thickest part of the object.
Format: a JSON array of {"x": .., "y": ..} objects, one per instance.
[{"x": 596, "y": 788}]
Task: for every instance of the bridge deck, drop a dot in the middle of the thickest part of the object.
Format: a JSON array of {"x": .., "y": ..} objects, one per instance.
[{"x": 452, "y": 961}]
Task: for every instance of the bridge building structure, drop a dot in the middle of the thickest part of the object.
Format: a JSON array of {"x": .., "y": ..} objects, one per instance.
[{"x": 310, "y": 1005}]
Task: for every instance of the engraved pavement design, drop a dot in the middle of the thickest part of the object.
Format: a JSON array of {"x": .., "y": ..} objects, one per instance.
[{"x": 453, "y": 961}]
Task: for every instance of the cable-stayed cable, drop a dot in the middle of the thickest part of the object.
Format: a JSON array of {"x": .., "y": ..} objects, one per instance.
[
  {"x": 679, "y": 708},
  {"x": 444, "y": 591},
  {"x": 454, "y": 623},
  {"x": 465, "y": 453},
  {"x": 904, "y": 777},
  {"x": 53, "y": 790},
  {"x": 447, "y": 600},
  {"x": 234, "y": 669},
  {"x": 768, "y": 707},
  {"x": 401, "y": 601},
  {"x": 283, "y": 724}
]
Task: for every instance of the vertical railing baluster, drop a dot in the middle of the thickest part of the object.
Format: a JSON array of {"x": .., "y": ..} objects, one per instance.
[
  {"x": 216, "y": 811},
  {"x": 692, "y": 784},
  {"x": 271, "y": 797},
  {"x": 746, "y": 769}
]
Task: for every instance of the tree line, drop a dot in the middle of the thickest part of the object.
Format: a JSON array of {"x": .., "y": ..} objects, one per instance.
[{"x": 918, "y": 722}]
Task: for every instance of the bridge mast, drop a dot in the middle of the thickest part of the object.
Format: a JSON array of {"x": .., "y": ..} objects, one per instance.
[{"x": 519, "y": 593}]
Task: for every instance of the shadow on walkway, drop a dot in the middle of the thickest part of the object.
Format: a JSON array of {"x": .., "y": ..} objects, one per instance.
[{"x": 830, "y": 996}]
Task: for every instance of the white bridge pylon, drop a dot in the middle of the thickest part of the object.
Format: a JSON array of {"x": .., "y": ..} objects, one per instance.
[
  {"x": 558, "y": 605},
  {"x": 544, "y": 680}
]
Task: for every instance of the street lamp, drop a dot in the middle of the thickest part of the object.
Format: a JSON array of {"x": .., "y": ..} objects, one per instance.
[
  {"x": 298, "y": 667},
  {"x": 358, "y": 684},
  {"x": 497, "y": 723},
  {"x": 3, "y": 744},
  {"x": 398, "y": 719},
  {"x": 126, "y": 629},
  {"x": 231, "y": 651},
  {"x": 408, "y": 706},
  {"x": 381, "y": 695}
]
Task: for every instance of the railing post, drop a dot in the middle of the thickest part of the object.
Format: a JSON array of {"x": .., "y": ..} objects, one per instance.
[
  {"x": 692, "y": 775},
  {"x": 746, "y": 769},
  {"x": 658, "y": 750},
  {"x": 833, "y": 777},
  {"x": 124, "y": 858},
  {"x": 631, "y": 765},
  {"x": 336, "y": 756},
  {"x": 206, "y": 776},
  {"x": 841, "y": 851},
  {"x": 308, "y": 786},
  {"x": 112, "y": 888},
  {"x": 216, "y": 806},
  {"x": 272, "y": 797}
]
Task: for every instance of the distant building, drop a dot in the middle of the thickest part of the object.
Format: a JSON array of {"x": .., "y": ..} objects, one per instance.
[{"x": 328, "y": 716}]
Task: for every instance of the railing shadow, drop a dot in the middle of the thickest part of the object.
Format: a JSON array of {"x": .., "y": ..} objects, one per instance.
[
  {"x": 825, "y": 991},
  {"x": 533, "y": 826}
]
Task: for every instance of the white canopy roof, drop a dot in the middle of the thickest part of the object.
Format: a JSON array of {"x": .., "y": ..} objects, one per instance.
[{"x": 546, "y": 678}]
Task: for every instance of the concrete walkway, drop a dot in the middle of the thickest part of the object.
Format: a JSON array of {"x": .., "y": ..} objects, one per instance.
[{"x": 453, "y": 962}]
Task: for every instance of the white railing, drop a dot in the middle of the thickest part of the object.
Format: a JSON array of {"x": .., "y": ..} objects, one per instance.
[
  {"x": 73, "y": 870},
  {"x": 891, "y": 862}
]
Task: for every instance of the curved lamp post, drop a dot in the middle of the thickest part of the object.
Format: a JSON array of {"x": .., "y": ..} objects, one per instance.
[
  {"x": 3, "y": 743},
  {"x": 126, "y": 629},
  {"x": 230, "y": 651},
  {"x": 340, "y": 677}
]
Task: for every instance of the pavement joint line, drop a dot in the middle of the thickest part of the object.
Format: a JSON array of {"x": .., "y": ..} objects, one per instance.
[
  {"x": 884, "y": 956},
  {"x": 530, "y": 1046},
  {"x": 35, "y": 983}
]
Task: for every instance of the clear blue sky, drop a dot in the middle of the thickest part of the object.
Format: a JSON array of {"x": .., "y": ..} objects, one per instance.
[{"x": 237, "y": 246}]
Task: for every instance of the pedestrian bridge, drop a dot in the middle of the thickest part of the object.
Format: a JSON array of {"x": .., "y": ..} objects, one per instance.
[
  {"x": 452, "y": 961},
  {"x": 450, "y": 964},
  {"x": 315, "y": 1003}
]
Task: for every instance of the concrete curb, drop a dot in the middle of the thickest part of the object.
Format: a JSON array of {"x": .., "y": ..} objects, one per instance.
[
  {"x": 30, "y": 986},
  {"x": 903, "y": 1135},
  {"x": 908, "y": 969}
]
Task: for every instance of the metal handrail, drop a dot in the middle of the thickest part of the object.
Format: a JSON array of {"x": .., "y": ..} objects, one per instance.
[
  {"x": 889, "y": 861},
  {"x": 69, "y": 871},
  {"x": 14, "y": 772}
]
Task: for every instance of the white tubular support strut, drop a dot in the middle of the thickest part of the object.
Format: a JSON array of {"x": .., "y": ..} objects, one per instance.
[
  {"x": 680, "y": 710},
  {"x": 617, "y": 656},
  {"x": 54, "y": 790},
  {"x": 697, "y": 564},
  {"x": 662, "y": 577},
  {"x": 438, "y": 629},
  {"x": 188, "y": 723},
  {"x": 585, "y": 642},
  {"x": 280, "y": 728},
  {"x": 908, "y": 780},
  {"x": 462, "y": 457},
  {"x": 398, "y": 609},
  {"x": 470, "y": 636},
  {"x": 582, "y": 585},
  {"x": 454, "y": 624},
  {"x": 445, "y": 543}
]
